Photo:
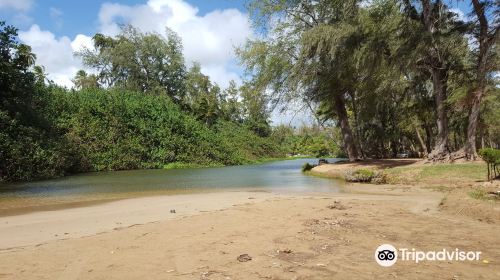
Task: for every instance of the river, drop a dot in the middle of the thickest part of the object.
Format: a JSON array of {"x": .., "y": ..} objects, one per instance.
[{"x": 98, "y": 187}]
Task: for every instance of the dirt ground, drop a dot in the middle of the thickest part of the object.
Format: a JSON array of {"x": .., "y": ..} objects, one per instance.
[{"x": 300, "y": 237}]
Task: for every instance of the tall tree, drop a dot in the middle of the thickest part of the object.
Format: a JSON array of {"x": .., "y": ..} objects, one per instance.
[
  {"x": 304, "y": 54},
  {"x": 435, "y": 46},
  {"x": 255, "y": 111},
  {"x": 201, "y": 96},
  {"x": 82, "y": 80},
  {"x": 139, "y": 61},
  {"x": 486, "y": 33},
  {"x": 230, "y": 105},
  {"x": 29, "y": 144}
]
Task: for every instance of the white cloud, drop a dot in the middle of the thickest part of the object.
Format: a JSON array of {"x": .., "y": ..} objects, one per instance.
[
  {"x": 81, "y": 42},
  {"x": 209, "y": 39},
  {"x": 56, "y": 54},
  {"x": 220, "y": 74},
  {"x": 459, "y": 14},
  {"x": 20, "y": 5}
]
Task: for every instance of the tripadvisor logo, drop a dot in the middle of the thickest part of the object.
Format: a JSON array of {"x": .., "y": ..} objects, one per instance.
[{"x": 387, "y": 255}]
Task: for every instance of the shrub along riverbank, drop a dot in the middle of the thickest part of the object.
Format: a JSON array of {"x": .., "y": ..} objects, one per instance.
[{"x": 95, "y": 130}]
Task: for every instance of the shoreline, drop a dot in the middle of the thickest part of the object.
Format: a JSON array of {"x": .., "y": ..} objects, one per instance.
[
  {"x": 169, "y": 166},
  {"x": 46, "y": 226}
]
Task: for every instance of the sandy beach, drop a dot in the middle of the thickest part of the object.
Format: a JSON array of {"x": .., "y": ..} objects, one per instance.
[
  {"x": 44, "y": 226},
  {"x": 287, "y": 237}
]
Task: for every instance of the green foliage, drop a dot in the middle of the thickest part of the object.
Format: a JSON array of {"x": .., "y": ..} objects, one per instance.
[
  {"x": 247, "y": 146},
  {"x": 376, "y": 70},
  {"x": 307, "y": 167},
  {"x": 29, "y": 146},
  {"x": 140, "y": 111},
  {"x": 307, "y": 141},
  {"x": 127, "y": 130},
  {"x": 117, "y": 130},
  {"x": 139, "y": 61},
  {"x": 490, "y": 155},
  {"x": 202, "y": 97},
  {"x": 180, "y": 165},
  {"x": 492, "y": 158}
]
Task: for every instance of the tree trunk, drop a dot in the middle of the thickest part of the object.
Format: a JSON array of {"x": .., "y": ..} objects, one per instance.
[
  {"x": 439, "y": 72},
  {"x": 428, "y": 138},
  {"x": 439, "y": 83},
  {"x": 470, "y": 145},
  {"x": 422, "y": 143},
  {"x": 486, "y": 41},
  {"x": 349, "y": 142},
  {"x": 356, "y": 124}
]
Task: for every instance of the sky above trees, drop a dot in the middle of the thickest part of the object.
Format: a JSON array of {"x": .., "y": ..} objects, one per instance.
[
  {"x": 55, "y": 29},
  {"x": 209, "y": 31}
]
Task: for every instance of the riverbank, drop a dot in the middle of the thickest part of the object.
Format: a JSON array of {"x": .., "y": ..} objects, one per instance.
[
  {"x": 463, "y": 185},
  {"x": 100, "y": 187},
  {"x": 314, "y": 236},
  {"x": 45, "y": 226}
]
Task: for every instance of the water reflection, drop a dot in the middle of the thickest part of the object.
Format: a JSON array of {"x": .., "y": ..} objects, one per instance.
[{"x": 274, "y": 176}]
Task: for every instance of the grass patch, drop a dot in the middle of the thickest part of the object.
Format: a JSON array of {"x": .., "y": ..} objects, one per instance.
[
  {"x": 271, "y": 159},
  {"x": 438, "y": 173},
  {"x": 181, "y": 165},
  {"x": 478, "y": 194},
  {"x": 483, "y": 195}
]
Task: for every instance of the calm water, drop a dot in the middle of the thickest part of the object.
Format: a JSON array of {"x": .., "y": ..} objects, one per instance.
[{"x": 278, "y": 176}]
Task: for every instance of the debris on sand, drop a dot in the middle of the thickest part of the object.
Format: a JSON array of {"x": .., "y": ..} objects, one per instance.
[
  {"x": 244, "y": 258},
  {"x": 286, "y": 251},
  {"x": 336, "y": 205},
  {"x": 172, "y": 211},
  {"x": 495, "y": 194}
]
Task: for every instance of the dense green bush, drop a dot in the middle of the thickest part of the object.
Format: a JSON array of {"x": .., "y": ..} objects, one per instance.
[
  {"x": 492, "y": 158},
  {"x": 307, "y": 167},
  {"x": 97, "y": 129},
  {"x": 127, "y": 130},
  {"x": 245, "y": 144},
  {"x": 30, "y": 147},
  {"x": 29, "y": 152}
]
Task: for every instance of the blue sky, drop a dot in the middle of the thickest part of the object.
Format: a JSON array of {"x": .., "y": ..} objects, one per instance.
[
  {"x": 209, "y": 29},
  {"x": 70, "y": 18}
]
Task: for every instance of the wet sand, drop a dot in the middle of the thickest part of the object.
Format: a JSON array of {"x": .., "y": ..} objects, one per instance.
[{"x": 44, "y": 226}]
